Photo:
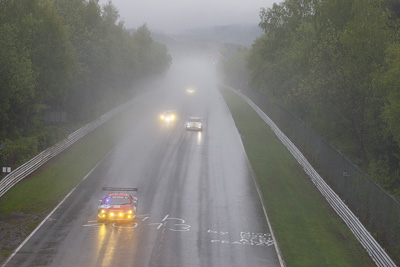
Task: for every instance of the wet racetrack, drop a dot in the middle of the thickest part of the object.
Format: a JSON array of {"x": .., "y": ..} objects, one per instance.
[{"x": 198, "y": 205}]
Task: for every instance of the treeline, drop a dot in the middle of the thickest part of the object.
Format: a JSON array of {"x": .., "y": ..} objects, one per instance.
[
  {"x": 336, "y": 65},
  {"x": 68, "y": 58}
]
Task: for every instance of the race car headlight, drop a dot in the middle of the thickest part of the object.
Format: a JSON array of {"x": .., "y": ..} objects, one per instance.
[
  {"x": 102, "y": 211},
  {"x": 112, "y": 214},
  {"x": 130, "y": 211},
  {"x": 121, "y": 214}
]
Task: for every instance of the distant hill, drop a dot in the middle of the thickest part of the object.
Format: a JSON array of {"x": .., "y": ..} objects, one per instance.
[
  {"x": 236, "y": 34},
  {"x": 243, "y": 35}
]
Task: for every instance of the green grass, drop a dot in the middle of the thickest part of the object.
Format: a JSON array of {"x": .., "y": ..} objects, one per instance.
[
  {"x": 34, "y": 197},
  {"x": 43, "y": 190},
  {"x": 308, "y": 231}
]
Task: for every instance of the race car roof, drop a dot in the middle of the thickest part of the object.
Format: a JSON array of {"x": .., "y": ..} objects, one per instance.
[
  {"x": 195, "y": 118},
  {"x": 118, "y": 195}
]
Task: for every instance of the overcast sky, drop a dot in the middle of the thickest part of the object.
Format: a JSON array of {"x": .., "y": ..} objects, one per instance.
[{"x": 175, "y": 15}]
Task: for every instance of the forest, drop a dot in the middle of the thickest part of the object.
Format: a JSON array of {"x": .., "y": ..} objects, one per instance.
[
  {"x": 335, "y": 64},
  {"x": 62, "y": 64}
]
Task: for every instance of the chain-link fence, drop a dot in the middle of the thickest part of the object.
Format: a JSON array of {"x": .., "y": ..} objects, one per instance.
[{"x": 378, "y": 211}]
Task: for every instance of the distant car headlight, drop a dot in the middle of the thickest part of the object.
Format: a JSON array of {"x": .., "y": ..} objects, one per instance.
[{"x": 102, "y": 211}]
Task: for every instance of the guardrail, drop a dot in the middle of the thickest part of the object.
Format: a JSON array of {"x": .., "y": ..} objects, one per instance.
[
  {"x": 27, "y": 168},
  {"x": 375, "y": 251}
]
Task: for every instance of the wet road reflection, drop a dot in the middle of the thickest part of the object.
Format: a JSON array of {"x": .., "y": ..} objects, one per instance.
[{"x": 197, "y": 202}]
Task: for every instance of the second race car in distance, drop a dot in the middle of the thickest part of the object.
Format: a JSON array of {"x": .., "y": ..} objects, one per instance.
[
  {"x": 194, "y": 123},
  {"x": 168, "y": 115},
  {"x": 118, "y": 205}
]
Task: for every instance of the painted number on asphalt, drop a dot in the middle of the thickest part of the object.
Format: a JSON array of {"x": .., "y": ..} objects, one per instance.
[
  {"x": 244, "y": 238},
  {"x": 173, "y": 224}
]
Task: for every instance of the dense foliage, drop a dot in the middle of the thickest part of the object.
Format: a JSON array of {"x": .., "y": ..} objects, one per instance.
[
  {"x": 336, "y": 65},
  {"x": 232, "y": 63},
  {"x": 68, "y": 57}
]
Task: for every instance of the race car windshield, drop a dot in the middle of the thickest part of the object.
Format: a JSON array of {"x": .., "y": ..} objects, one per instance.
[{"x": 117, "y": 201}]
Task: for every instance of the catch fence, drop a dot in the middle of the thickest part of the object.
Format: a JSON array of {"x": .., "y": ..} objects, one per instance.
[
  {"x": 378, "y": 211},
  {"x": 27, "y": 168}
]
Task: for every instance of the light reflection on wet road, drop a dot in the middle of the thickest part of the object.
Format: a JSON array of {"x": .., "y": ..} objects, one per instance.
[{"x": 198, "y": 205}]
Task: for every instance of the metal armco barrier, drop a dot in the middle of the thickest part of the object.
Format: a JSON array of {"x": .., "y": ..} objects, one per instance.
[
  {"x": 27, "y": 168},
  {"x": 376, "y": 252}
]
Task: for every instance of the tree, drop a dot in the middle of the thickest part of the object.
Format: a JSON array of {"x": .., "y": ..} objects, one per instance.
[
  {"x": 16, "y": 83},
  {"x": 234, "y": 66},
  {"x": 327, "y": 62}
]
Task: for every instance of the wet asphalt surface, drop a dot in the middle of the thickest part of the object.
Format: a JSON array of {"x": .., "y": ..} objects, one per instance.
[{"x": 198, "y": 205}]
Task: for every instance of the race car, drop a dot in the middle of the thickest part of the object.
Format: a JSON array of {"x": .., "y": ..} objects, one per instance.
[
  {"x": 117, "y": 205},
  {"x": 194, "y": 123},
  {"x": 168, "y": 115}
]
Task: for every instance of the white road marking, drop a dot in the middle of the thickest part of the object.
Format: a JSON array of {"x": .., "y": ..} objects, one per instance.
[
  {"x": 181, "y": 227},
  {"x": 133, "y": 226},
  {"x": 159, "y": 225},
  {"x": 48, "y": 216}
]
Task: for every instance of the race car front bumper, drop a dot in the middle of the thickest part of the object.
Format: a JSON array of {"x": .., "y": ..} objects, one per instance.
[
  {"x": 116, "y": 216},
  {"x": 194, "y": 126}
]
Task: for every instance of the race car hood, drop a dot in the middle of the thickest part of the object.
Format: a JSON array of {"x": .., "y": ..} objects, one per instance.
[{"x": 115, "y": 207}]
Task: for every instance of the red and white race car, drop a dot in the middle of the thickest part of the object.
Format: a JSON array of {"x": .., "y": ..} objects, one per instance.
[{"x": 118, "y": 205}]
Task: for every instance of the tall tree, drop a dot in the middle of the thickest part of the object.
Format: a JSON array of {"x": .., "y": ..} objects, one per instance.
[
  {"x": 325, "y": 61},
  {"x": 17, "y": 81}
]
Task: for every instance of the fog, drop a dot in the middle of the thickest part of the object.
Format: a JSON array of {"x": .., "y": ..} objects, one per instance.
[
  {"x": 187, "y": 71},
  {"x": 174, "y": 16}
]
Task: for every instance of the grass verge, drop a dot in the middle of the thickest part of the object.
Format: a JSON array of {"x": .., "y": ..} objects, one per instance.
[
  {"x": 26, "y": 204},
  {"x": 48, "y": 185},
  {"x": 308, "y": 230}
]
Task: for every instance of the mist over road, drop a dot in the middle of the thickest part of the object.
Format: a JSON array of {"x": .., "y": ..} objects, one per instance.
[{"x": 198, "y": 205}]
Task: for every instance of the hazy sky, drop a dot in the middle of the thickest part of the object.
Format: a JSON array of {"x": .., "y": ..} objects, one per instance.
[{"x": 175, "y": 15}]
